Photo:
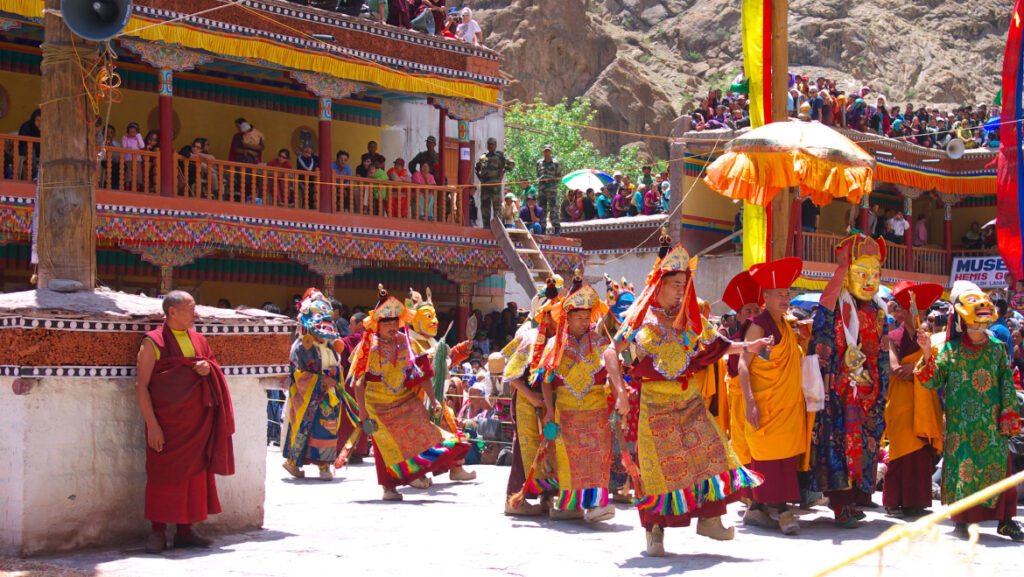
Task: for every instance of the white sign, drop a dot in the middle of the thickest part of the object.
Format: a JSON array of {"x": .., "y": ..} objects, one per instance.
[
  {"x": 984, "y": 271},
  {"x": 464, "y": 153}
]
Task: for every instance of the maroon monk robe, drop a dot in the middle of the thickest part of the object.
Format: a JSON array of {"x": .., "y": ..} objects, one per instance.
[
  {"x": 345, "y": 427},
  {"x": 197, "y": 419}
]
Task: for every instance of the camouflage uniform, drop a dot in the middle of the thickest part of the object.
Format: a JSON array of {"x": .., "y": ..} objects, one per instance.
[
  {"x": 549, "y": 175},
  {"x": 490, "y": 169}
]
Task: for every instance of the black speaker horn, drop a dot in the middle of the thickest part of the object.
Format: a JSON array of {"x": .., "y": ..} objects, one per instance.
[{"x": 96, "y": 20}]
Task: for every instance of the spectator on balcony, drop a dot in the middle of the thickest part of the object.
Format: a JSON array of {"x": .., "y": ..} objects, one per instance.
[
  {"x": 428, "y": 156},
  {"x": 207, "y": 169},
  {"x": 588, "y": 205},
  {"x": 603, "y": 203},
  {"x": 340, "y": 165},
  {"x": 111, "y": 161},
  {"x": 372, "y": 154},
  {"x": 620, "y": 204},
  {"x": 306, "y": 161},
  {"x": 988, "y": 235},
  {"x": 424, "y": 196},
  {"x": 468, "y": 29},
  {"x": 809, "y": 215},
  {"x": 398, "y": 13},
  {"x": 509, "y": 210},
  {"x": 876, "y": 223},
  {"x": 532, "y": 215},
  {"x": 378, "y": 10},
  {"x": 246, "y": 144},
  {"x": 920, "y": 231},
  {"x": 365, "y": 168},
  {"x": 896, "y": 228},
  {"x": 399, "y": 196},
  {"x": 572, "y": 210},
  {"x": 282, "y": 160},
  {"x": 29, "y": 128},
  {"x": 972, "y": 239}
]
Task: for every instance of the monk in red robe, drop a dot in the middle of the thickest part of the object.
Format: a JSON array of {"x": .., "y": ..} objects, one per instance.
[{"x": 189, "y": 422}]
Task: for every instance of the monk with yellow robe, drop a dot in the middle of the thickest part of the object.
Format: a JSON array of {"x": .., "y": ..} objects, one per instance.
[
  {"x": 744, "y": 296},
  {"x": 776, "y": 429},
  {"x": 913, "y": 414}
]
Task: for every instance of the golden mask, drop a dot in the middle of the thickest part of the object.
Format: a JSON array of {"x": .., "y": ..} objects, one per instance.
[
  {"x": 424, "y": 320},
  {"x": 975, "y": 308},
  {"x": 864, "y": 276}
]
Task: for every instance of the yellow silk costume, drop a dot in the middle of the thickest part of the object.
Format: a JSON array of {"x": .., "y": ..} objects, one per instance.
[
  {"x": 527, "y": 417},
  {"x": 712, "y": 381},
  {"x": 778, "y": 392},
  {"x": 737, "y": 419},
  {"x": 583, "y": 448},
  {"x": 913, "y": 414}
]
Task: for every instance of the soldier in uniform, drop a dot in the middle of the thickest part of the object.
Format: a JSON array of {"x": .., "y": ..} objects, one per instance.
[
  {"x": 490, "y": 169},
  {"x": 549, "y": 174},
  {"x": 428, "y": 156}
]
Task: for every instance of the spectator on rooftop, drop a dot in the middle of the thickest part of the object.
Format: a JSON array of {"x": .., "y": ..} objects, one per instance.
[
  {"x": 587, "y": 202},
  {"x": 532, "y": 215},
  {"x": 469, "y": 29},
  {"x": 646, "y": 178},
  {"x": 451, "y": 24},
  {"x": 652, "y": 200},
  {"x": 398, "y": 13},
  {"x": 620, "y": 204},
  {"x": 603, "y": 203},
  {"x": 636, "y": 205},
  {"x": 570, "y": 208},
  {"x": 510, "y": 210}
]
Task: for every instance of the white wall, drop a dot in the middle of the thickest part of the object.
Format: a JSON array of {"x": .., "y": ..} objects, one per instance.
[{"x": 72, "y": 464}]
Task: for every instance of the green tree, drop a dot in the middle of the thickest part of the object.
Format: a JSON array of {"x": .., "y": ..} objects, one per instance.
[{"x": 528, "y": 127}]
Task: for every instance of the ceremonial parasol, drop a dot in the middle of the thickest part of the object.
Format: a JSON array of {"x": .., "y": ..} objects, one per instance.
[
  {"x": 821, "y": 161},
  {"x": 586, "y": 178}
]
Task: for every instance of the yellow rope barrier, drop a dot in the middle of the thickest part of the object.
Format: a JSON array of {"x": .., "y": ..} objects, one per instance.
[{"x": 925, "y": 524}]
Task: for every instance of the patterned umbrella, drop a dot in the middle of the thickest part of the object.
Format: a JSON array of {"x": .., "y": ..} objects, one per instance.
[
  {"x": 586, "y": 178},
  {"x": 821, "y": 161}
]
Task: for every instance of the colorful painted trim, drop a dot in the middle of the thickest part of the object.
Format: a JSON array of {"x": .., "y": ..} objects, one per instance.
[
  {"x": 423, "y": 460},
  {"x": 538, "y": 486},
  {"x": 694, "y": 164},
  {"x": 582, "y": 499},
  {"x": 974, "y": 182},
  {"x": 710, "y": 490}
]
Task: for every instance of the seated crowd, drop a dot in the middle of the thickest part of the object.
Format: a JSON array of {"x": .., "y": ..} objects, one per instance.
[
  {"x": 430, "y": 16},
  {"x": 860, "y": 110}
]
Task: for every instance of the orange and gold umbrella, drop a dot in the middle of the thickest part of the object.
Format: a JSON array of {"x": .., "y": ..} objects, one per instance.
[{"x": 821, "y": 161}]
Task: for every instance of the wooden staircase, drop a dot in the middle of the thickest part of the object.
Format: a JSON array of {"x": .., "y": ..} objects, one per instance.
[{"x": 523, "y": 255}]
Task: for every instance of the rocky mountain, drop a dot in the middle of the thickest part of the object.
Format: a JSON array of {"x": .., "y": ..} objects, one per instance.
[{"x": 644, "y": 62}]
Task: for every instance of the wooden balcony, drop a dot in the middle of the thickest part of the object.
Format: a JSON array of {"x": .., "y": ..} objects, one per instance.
[
  {"x": 928, "y": 264},
  {"x": 256, "y": 186}
]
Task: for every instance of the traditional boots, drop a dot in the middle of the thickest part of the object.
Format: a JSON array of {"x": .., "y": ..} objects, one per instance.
[
  {"x": 656, "y": 542},
  {"x": 461, "y": 474},
  {"x": 712, "y": 527}
]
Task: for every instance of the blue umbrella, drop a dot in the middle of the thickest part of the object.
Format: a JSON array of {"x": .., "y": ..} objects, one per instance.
[
  {"x": 806, "y": 301},
  {"x": 992, "y": 124},
  {"x": 586, "y": 178}
]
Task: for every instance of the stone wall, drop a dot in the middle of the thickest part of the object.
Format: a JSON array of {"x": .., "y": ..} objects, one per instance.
[{"x": 72, "y": 464}]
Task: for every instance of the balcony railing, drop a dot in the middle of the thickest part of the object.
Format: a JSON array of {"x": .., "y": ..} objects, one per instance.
[
  {"x": 821, "y": 247},
  {"x": 138, "y": 171}
]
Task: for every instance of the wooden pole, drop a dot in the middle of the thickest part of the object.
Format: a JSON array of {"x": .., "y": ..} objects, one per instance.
[
  {"x": 782, "y": 204},
  {"x": 66, "y": 202}
]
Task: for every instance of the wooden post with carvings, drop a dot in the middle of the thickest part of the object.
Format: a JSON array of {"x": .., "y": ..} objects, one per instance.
[
  {"x": 66, "y": 198},
  {"x": 781, "y": 205}
]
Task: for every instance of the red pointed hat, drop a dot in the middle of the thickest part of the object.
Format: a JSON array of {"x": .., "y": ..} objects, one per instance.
[
  {"x": 742, "y": 289},
  {"x": 777, "y": 274},
  {"x": 925, "y": 294}
]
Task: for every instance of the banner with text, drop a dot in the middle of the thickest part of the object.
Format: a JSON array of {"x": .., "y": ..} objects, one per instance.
[{"x": 985, "y": 271}]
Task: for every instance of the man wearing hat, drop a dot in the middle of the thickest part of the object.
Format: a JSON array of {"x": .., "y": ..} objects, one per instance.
[
  {"x": 913, "y": 415},
  {"x": 491, "y": 169},
  {"x": 387, "y": 377},
  {"x": 744, "y": 296},
  {"x": 549, "y": 175},
  {"x": 776, "y": 429},
  {"x": 532, "y": 215},
  {"x": 509, "y": 210},
  {"x": 428, "y": 156},
  {"x": 981, "y": 410}
]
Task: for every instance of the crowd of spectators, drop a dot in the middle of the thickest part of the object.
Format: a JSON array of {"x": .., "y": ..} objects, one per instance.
[
  {"x": 861, "y": 110},
  {"x": 429, "y": 16}
]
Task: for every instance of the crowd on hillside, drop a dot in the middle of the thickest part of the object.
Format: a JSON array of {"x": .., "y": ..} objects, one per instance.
[
  {"x": 430, "y": 16},
  {"x": 820, "y": 100}
]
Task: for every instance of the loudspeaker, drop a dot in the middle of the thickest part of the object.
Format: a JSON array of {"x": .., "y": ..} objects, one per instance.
[
  {"x": 955, "y": 149},
  {"x": 96, "y": 20}
]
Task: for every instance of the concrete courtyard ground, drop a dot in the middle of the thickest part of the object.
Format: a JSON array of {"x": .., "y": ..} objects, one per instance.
[{"x": 453, "y": 529}]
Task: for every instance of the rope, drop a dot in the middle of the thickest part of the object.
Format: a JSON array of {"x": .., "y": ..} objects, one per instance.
[{"x": 924, "y": 525}]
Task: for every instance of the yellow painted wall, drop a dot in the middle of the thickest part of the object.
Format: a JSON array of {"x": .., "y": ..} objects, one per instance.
[
  {"x": 699, "y": 200},
  {"x": 963, "y": 217},
  {"x": 212, "y": 120}
]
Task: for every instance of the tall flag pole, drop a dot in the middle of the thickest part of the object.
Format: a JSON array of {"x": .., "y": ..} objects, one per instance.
[
  {"x": 757, "y": 60},
  {"x": 1009, "y": 196}
]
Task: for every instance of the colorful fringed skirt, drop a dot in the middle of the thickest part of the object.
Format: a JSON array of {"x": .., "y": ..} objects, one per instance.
[
  {"x": 583, "y": 449},
  {"x": 407, "y": 445},
  {"x": 686, "y": 465}
]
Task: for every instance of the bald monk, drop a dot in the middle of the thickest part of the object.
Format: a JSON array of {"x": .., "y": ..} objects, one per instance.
[{"x": 185, "y": 402}]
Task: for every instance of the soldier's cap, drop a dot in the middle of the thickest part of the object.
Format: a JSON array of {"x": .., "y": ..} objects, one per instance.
[
  {"x": 432, "y": 139},
  {"x": 547, "y": 147},
  {"x": 492, "y": 140}
]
